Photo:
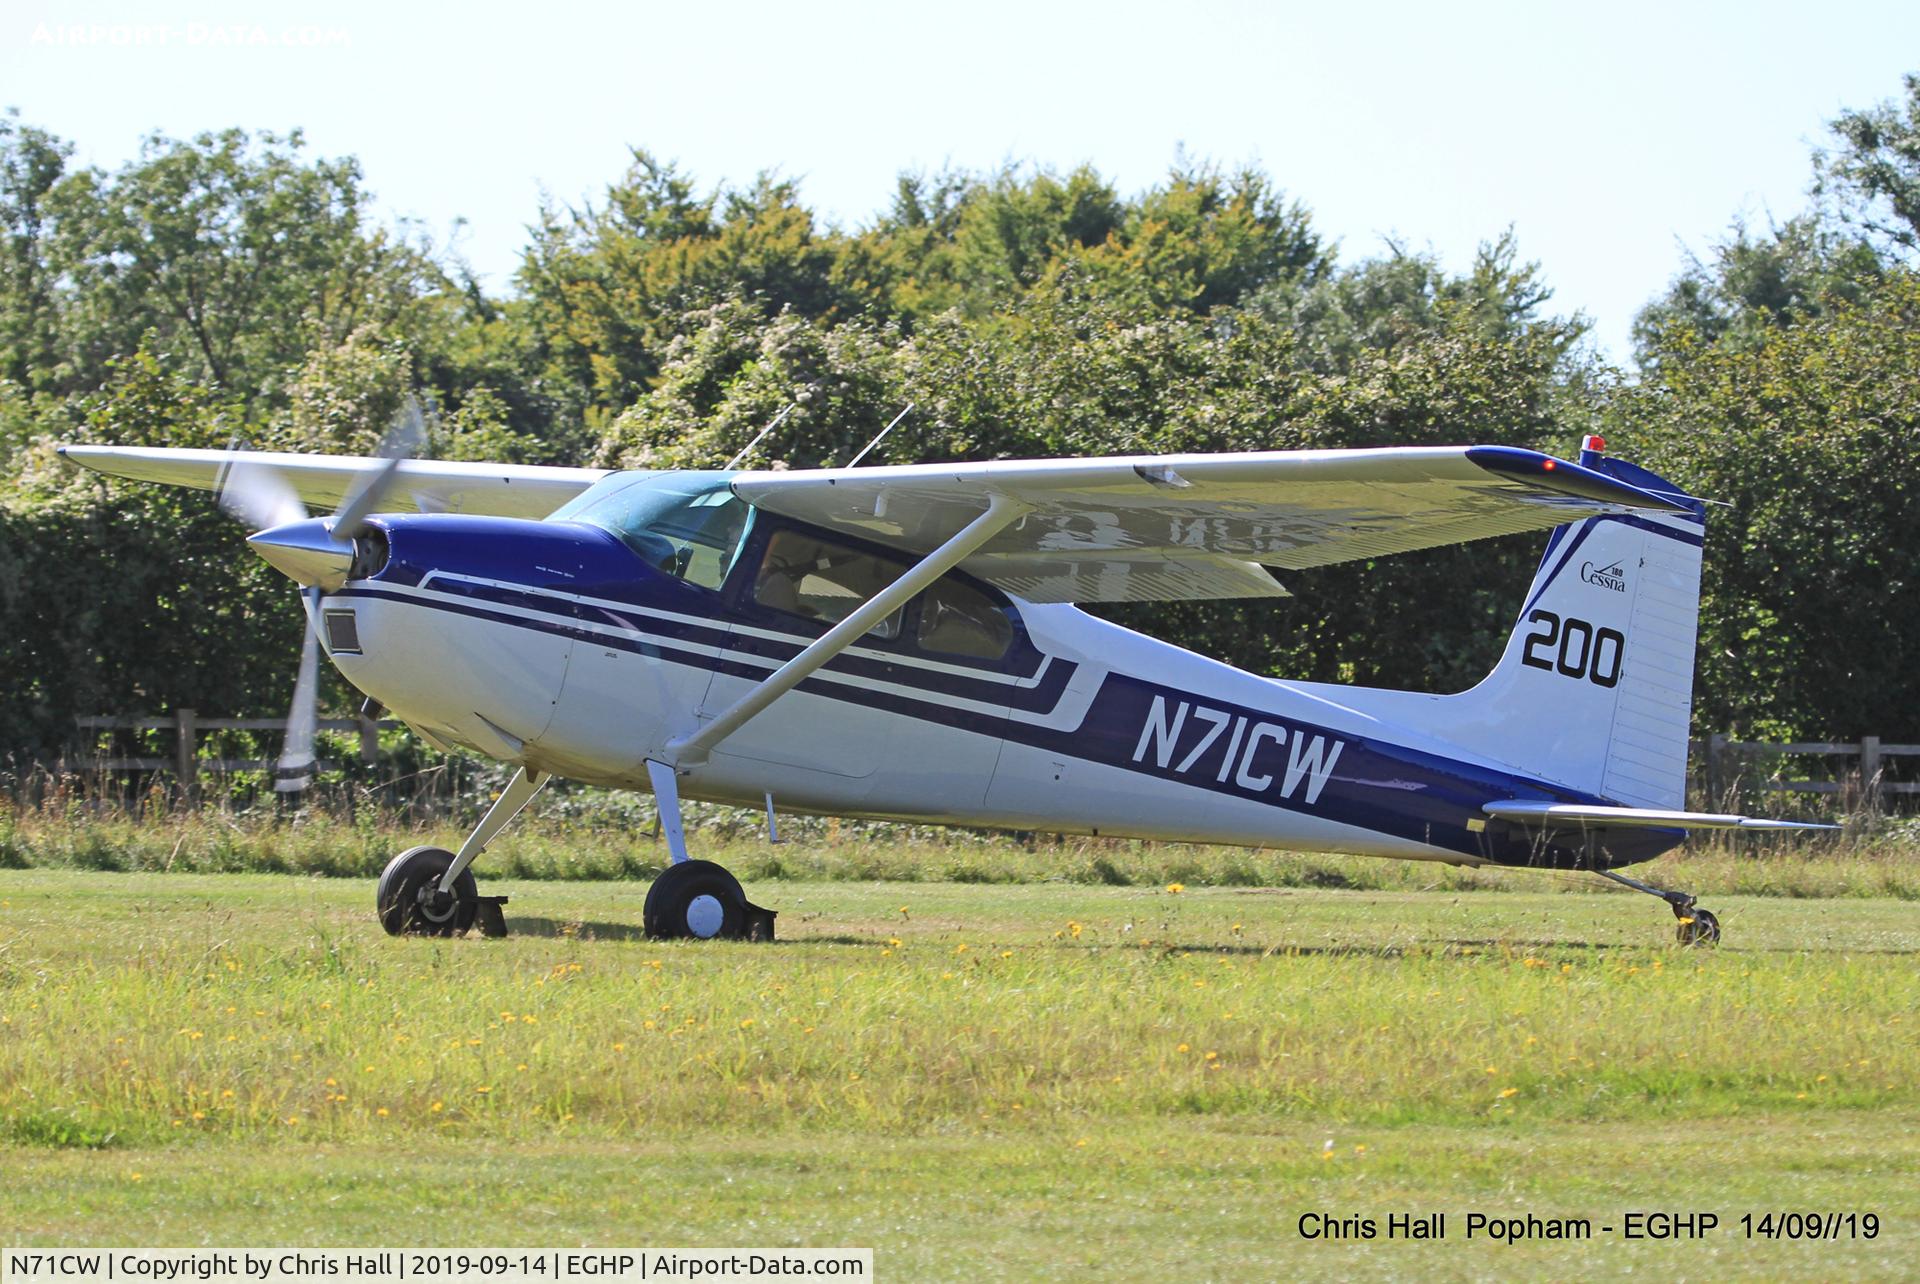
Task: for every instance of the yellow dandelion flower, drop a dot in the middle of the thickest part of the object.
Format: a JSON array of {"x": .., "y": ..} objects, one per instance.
[
  {"x": 1183, "y": 1048},
  {"x": 960, "y": 948},
  {"x": 482, "y": 1091},
  {"x": 1174, "y": 889},
  {"x": 293, "y": 1120},
  {"x": 332, "y": 1082},
  {"x": 135, "y": 1177},
  {"x": 1509, "y": 1092},
  {"x": 1213, "y": 1056},
  {"x": 1493, "y": 1070},
  {"x": 382, "y": 1112},
  {"x": 647, "y": 1024},
  {"x": 1074, "y": 930},
  {"x": 437, "y": 1107},
  {"x": 226, "y": 1092},
  {"x": 1080, "y": 1143},
  {"x": 1006, "y": 954}
]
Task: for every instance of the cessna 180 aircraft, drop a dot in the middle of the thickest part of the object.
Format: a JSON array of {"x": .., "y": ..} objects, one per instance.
[{"x": 902, "y": 642}]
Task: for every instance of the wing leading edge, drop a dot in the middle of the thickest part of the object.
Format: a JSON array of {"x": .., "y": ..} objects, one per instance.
[
  {"x": 423, "y": 485},
  {"x": 1149, "y": 528}
]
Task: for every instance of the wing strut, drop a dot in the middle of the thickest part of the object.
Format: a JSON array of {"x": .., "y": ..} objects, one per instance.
[{"x": 688, "y": 751}]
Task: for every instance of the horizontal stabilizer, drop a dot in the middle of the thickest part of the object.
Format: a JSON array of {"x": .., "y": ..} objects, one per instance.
[{"x": 1545, "y": 813}]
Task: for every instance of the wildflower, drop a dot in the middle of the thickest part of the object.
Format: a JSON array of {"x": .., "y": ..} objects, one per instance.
[
  {"x": 960, "y": 948},
  {"x": 746, "y": 1023},
  {"x": 1183, "y": 1048},
  {"x": 1006, "y": 954},
  {"x": 227, "y": 1093},
  {"x": 1074, "y": 930},
  {"x": 521, "y": 1066},
  {"x": 437, "y": 1107},
  {"x": 1174, "y": 889},
  {"x": 382, "y": 1112},
  {"x": 332, "y": 1082},
  {"x": 134, "y": 1177},
  {"x": 482, "y": 1091},
  {"x": 1509, "y": 1092},
  {"x": 1213, "y": 1056},
  {"x": 199, "y": 1115},
  {"x": 894, "y": 941}
]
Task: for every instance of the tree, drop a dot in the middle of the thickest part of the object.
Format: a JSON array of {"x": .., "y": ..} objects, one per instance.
[
  {"x": 1874, "y": 175},
  {"x": 1811, "y": 435}
]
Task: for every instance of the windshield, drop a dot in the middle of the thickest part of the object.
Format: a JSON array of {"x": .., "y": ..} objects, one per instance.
[{"x": 684, "y": 523}]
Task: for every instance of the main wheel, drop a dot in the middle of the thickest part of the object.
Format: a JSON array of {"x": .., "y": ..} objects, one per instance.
[
  {"x": 695, "y": 898},
  {"x": 410, "y": 900},
  {"x": 1699, "y": 927}
]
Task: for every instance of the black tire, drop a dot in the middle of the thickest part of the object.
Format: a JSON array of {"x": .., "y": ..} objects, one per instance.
[
  {"x": 406, "y": 901},
  {"x": 1700, "y": 927},
  {"x": 697, "y": 899}
]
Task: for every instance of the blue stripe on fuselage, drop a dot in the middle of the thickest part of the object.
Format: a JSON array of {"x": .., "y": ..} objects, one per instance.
[{"x": 1252, "y": 753}]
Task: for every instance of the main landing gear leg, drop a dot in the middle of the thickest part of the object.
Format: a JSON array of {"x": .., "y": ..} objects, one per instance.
[
  {"x": 429, "y": 891},
  {"x": 695, "y": 898},
  {"x": 1697, "y": 926}
]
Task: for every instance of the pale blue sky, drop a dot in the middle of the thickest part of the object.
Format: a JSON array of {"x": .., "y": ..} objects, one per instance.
[{"x": 1609, "y": 135}]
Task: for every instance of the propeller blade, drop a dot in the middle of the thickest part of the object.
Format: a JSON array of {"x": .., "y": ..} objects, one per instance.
[
  {"x": 257, "y": 495},
  {"x": 408, "y": 433},
  {"x": 294, "y": 772}
]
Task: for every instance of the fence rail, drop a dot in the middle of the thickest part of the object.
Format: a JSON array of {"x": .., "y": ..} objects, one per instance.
[
  {"x": 1716, "y": 761},
  {"x": 186, "y": 724}
]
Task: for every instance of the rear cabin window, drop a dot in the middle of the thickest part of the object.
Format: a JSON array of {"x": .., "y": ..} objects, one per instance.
[{"x": 957, "y": 619}]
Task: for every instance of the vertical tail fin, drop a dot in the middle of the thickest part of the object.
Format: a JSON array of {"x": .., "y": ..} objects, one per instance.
[{"x": 1595, "y": 687}]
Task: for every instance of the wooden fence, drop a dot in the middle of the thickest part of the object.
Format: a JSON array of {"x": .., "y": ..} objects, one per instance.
[
  {"x": 186, "y": 724},
  {"x": 1717, "y": 762},
  {"x": 1717, "y": 765}
]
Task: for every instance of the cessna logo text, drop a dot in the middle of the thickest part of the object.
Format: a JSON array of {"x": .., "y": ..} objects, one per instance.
[
  {"x": 1609, "y": 576},
  {"x": 1259, "y": 756}
]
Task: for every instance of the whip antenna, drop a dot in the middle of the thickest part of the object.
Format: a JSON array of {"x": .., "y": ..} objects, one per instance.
[
  {"x": 748, "y": 448},
  {"x": 883, "y": 432}
]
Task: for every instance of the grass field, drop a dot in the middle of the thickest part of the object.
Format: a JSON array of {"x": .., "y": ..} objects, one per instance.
[{"x": 1033, "y": 1081}]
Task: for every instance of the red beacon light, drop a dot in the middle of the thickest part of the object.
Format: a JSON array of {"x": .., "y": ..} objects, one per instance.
[{"x": 1593, "y": 443}]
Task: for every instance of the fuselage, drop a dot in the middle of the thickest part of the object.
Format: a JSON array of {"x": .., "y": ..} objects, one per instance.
[{"x": 560, "y": 645}]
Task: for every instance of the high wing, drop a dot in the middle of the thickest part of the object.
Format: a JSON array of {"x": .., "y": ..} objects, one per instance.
[
  {"x": 422, "y": 485},
  {"x": 1155, "y": 528}
]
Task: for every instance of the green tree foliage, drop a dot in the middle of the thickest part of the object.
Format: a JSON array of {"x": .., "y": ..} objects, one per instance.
[
  {"x": 232, "y": 286},
  {"x": 1874, "y": 174},
  {"x": 1811, "y": 435}
]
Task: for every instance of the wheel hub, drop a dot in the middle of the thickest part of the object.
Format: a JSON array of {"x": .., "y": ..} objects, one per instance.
[{"x": 705, "y": 915}]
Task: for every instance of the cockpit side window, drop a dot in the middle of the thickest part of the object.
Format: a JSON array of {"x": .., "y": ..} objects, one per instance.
[{"x": 817, "y": 579}]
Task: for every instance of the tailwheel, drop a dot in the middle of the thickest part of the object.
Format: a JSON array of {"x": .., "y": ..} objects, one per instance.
[
  {"x": 701, "y": 900},
  {"x": 410, "y": 900},
  {"x": 1697, "y": 926}
]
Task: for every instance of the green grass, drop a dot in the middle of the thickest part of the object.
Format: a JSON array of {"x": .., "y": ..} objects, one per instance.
[
  {"x": 1039, "y": 1102},
  {"x": 606, "y": 837}
]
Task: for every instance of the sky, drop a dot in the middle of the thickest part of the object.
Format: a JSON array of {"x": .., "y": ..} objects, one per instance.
[{"x": 1614, "y": 139}]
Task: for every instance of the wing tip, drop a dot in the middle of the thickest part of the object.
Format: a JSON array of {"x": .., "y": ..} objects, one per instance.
[{"x": 1567, "y": 478}]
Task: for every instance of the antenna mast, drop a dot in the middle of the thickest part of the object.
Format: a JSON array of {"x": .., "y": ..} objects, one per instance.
[
  {"x": 761, "y": 436},
  {"x": 883, "y": 432}
]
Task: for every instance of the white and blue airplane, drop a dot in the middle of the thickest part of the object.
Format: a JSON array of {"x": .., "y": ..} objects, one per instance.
[{"x": 903, "y": 643}]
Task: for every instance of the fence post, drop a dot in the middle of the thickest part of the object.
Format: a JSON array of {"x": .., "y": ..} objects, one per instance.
[
  {"x": 186, "y": 759},
  {"x": 1870, "y": 790},
  {"x": 1716, "y": 746},
  {"x": 369, "y": 740}
]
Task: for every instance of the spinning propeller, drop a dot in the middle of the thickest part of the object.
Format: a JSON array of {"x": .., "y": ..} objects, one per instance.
[{"x": 319, "y": 555}]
